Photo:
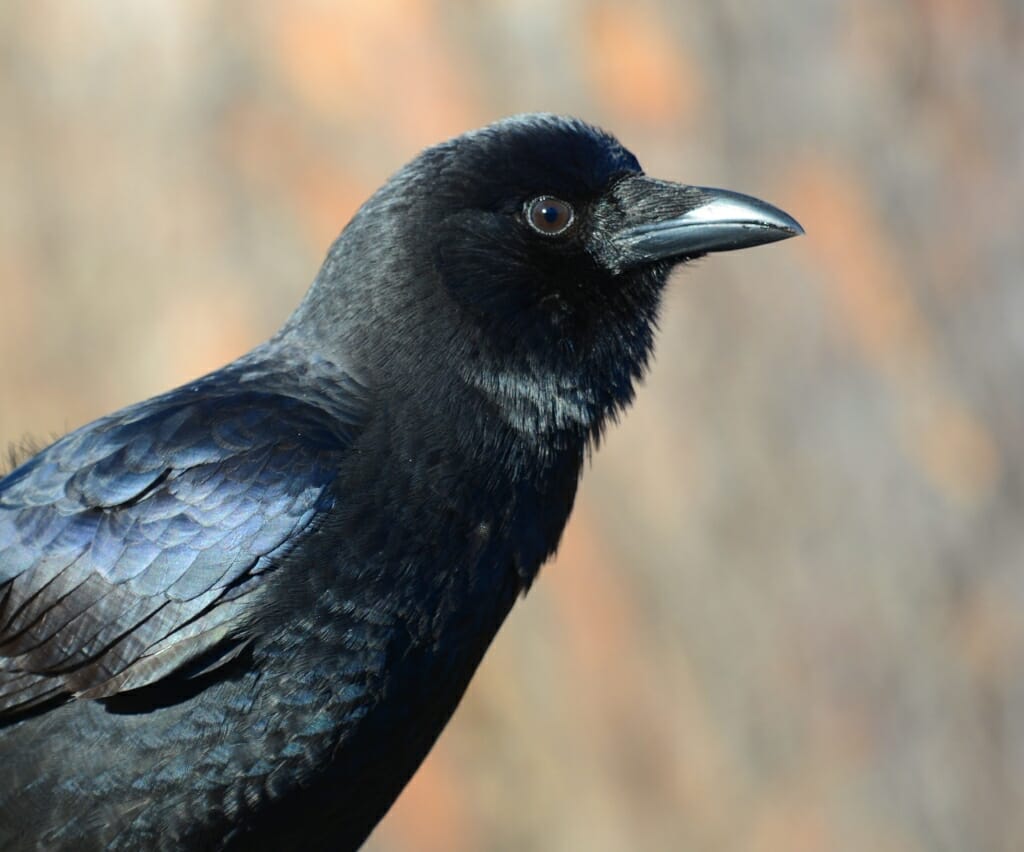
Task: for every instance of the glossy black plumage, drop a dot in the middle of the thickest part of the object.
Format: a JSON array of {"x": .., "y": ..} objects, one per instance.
[{"x": 241, "y": 612}]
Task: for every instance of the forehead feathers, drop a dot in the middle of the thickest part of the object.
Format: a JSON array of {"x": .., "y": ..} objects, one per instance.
[{"x": 522, "y": 156}]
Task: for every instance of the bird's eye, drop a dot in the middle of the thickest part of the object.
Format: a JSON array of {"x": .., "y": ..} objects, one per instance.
[{"x": 549, "y": 215}]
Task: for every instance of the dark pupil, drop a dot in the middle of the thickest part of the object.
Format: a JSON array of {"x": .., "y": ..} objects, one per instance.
[{"x": 550, "y": 214}]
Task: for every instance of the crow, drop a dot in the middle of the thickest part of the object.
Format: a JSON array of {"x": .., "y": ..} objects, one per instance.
[{"x": 238, "y": 615}]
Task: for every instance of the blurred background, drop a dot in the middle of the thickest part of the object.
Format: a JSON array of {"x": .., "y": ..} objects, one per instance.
[{"x": 788, "y": 613}]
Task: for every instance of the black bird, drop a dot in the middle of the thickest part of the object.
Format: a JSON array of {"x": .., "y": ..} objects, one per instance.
[{"x": 238, "y": 615}]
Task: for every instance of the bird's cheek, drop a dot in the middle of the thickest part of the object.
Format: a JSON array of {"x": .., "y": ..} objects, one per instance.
[{"x": 481, "y": 272}]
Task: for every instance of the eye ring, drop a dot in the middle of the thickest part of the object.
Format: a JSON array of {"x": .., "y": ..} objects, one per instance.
[{"x": 549, "y": 216}]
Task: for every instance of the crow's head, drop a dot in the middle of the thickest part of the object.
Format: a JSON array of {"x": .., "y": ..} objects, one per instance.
[{"x": 530, "y": 254}]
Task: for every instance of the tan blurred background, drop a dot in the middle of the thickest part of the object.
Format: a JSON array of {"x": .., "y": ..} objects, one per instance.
[{"x": 788, "y": 613}]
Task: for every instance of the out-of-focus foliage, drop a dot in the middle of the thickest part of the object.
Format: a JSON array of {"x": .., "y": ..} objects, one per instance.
[{"x": 789, "y": 611}]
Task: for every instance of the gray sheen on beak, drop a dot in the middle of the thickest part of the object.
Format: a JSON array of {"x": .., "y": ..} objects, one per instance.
[{"x": 670, "y": 220}]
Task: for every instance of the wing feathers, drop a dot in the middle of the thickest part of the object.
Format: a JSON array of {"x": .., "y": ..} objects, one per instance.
[{"x": 137, "y": 543}]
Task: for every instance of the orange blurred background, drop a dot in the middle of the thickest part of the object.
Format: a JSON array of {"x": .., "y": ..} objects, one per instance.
[{"x": 788, "y": 613}]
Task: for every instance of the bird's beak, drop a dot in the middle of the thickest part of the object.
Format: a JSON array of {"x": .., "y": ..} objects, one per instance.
[{"x": 667, "y": 221}]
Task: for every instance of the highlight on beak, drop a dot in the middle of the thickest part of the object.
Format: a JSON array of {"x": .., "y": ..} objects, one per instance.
[{"x": 677, "y": 221}]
